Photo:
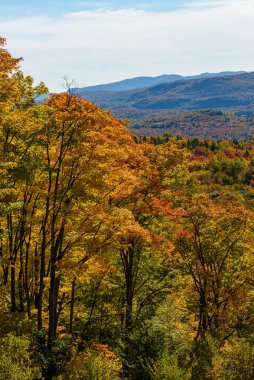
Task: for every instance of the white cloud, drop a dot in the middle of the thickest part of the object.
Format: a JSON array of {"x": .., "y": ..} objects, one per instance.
[{"x": 105, "y": 45}]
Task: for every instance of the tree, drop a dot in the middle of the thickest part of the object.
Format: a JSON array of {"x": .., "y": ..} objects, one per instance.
[
  {"x": 215, "y": 249},
  {"x": 144, "y": 258},
  {"x": 18, "y": 121}
]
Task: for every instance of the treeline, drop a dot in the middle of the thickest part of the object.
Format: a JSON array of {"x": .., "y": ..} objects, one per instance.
[{"x": 119, "y": 258}]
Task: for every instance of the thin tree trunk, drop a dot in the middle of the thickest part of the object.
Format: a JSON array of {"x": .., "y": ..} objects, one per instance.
[
  {"x": 72, "y": 305},
  {"x": 13, "y": 288}
]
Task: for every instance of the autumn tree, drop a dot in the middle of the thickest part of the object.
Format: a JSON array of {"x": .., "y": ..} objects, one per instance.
[
  {"x": 87, "y": 161},
  {"x": 144, "y": 259},
  {"x": 215, "y": 247},
  {"x": 18, "y": 121}
]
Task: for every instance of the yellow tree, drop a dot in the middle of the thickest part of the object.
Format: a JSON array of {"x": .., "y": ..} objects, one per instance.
[
  {"x": 215, "y": 247},
  {"x": 18, "y": 122},
  {"x": 162, "y": 178},
  {"x": 87, "y": 162}
]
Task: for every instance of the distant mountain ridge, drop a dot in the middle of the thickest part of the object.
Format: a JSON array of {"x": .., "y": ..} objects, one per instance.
[
  {"x": 227, "y": 92},
  {"x": 145, "y": 81}
]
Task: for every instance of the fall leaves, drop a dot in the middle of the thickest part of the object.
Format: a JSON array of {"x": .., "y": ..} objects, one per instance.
[
  {"x": 71, "y": 166},
  {"x": 97, "y": 231}
]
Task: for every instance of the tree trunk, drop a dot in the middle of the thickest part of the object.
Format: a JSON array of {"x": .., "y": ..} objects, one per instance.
[
  {"x": 53, "y": 297},
  {"x": 13, "y": 288},
  {"x": 72, "y": 305}
]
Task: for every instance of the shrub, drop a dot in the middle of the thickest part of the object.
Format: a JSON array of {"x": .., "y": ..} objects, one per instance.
[
  {"x": 15, "y": 359},
  {"x": 94, "y": 363}
]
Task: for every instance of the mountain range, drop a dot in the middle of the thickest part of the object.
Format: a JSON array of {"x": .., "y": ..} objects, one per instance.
[
  {"x": 226, "y": 91},
  {"x": 142, "y": 82}
]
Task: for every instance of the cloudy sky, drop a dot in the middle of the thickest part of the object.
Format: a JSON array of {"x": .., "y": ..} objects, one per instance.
[{"x": 101, "y": 41}]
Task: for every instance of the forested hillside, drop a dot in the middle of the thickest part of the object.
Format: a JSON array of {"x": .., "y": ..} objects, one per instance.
[
  {"x": 202, "y": 124},
  {"x": 120, "y": 257}
]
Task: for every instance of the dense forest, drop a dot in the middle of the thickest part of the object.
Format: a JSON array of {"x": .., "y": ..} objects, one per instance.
[
  {"x": 213, "y": 124},
  {"x": 121, "y": 257}
]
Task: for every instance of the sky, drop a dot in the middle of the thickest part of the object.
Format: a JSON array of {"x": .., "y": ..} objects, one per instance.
[{"x": 95, "y": 42}]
